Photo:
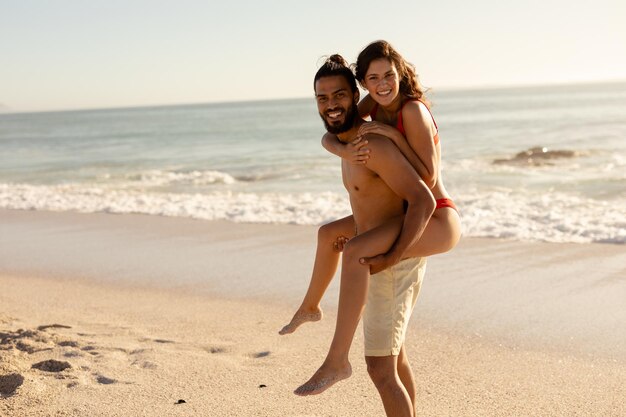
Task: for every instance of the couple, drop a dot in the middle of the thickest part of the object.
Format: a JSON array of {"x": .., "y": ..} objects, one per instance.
[{"x": 401, "y": 214}]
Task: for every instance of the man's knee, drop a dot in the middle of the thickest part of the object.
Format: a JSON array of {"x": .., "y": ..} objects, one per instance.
[{"x": 382, "y": 370}]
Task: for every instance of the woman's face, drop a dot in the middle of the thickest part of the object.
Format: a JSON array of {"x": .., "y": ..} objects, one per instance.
[{"x": 382, "y": 81}]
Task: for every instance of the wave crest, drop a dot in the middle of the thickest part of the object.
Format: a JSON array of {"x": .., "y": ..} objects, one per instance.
[{"x": 157, "y": 178}]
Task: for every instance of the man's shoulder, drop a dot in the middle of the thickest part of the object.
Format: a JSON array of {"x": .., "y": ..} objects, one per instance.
[
  {"x": 377, "y": 140},
  {"x": 383, "y": 151},
  {"x": 380, "y": 145}
]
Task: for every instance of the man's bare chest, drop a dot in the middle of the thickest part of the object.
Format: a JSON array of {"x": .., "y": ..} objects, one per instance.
[{"x": 358, "y": 179}]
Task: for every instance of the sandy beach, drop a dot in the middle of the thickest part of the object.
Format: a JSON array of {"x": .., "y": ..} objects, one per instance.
[{"x": 127, "y": 315}]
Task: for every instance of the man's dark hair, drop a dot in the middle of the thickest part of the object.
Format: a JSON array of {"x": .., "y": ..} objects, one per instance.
[{"x": 336, "y": 65}]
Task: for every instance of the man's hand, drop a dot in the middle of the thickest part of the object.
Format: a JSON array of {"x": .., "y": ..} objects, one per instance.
[{"x": 380, "y": 262}]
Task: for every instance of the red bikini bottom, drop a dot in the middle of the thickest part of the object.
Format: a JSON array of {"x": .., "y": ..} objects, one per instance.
[{"x": 445, "y": 202}]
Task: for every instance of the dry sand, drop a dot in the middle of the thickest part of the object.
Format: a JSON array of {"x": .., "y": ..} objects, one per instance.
[{"x": 148, "y": 311}]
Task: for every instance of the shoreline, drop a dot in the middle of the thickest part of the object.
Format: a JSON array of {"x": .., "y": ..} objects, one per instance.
[{"x": 176, "y": 308}]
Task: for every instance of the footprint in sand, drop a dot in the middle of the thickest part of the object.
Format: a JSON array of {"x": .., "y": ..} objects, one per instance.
[
  {"x": 216, "y": 349},
  {"x": 146, "y": 339},
  {"x": 52, "y": 365},
  {"x": 28, "y": 348},
  {"x": 145, "y": 364},
  {"x": 10, "y": 383},
  {"x": 105, "y": 380},
  {"x": 53, "y": 326},
  {"x": 29, "y": 341},
  {"x": 90, "y": 349},
  {"x": 163, "y": 341}
]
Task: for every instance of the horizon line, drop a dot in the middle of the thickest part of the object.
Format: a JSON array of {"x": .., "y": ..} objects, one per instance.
[{"x": 6, "y": 110}]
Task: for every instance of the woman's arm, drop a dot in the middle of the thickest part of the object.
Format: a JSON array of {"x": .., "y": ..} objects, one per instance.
[
  {"x": 353, "y": 151},
  {"x": 401, "y": 142},
  {"x": 420, "y": 135}
]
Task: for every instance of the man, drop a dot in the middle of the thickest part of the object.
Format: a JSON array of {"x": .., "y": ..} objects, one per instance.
[{"x": 389, "y": 200}]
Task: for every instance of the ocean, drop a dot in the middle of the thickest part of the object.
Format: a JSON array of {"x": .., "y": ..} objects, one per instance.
[{"x": 535, "y": 163}]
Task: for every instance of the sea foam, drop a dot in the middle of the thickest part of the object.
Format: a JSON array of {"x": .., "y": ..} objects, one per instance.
[
  {"x": 303, "y": 208},
  {"x": 156, "y": 178},
  {"x": 554, "y": 217}
]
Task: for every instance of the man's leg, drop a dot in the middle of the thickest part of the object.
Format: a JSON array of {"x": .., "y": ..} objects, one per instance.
[
  {"x": 392, "y": 297},
  {"x": 383, "y": 371},
  {"x": 406, "y": 376}
]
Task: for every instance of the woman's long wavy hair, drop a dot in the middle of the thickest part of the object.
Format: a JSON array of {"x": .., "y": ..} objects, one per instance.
[{"x": 409, "y": 82}]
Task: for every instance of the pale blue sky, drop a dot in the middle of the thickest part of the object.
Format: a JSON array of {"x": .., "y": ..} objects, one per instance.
[{"x": 71, "y": 54}]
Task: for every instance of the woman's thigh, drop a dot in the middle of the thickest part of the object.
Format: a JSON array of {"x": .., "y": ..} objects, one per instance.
[
  {"x": 375, "y": 241},
  {"x": 442, "y": 233},
  {"x": 342, "y": 227}
]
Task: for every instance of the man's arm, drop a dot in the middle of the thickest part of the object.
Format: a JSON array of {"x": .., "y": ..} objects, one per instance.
[
  {"x": 393, "y": 168},
  {"x": 366, "y": 105}
]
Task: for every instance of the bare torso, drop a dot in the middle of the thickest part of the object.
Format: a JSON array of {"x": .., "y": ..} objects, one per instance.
[{"x": 372, "y": 201}]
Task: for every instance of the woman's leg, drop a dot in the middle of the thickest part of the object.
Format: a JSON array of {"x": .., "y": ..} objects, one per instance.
[
  {"x": 441, "y": 235},
  {"x": 324, "y": 268},
  {"x": 352, "y": 296}
]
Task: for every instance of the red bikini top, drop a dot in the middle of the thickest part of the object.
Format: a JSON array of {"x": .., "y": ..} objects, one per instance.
[{"x": 400, "y": 125}]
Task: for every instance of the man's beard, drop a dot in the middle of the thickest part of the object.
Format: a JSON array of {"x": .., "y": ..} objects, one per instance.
[{"x": 351, "y": 114}]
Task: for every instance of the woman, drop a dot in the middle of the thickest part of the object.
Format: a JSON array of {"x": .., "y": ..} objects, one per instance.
[{"x": 395, "y": 104}]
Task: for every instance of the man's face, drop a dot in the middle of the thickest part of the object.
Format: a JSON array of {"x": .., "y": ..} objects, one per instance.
[{"x": 336, "y": 103}]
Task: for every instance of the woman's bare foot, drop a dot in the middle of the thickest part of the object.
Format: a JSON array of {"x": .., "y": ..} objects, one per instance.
[
  {"x": 323, "y": 379},
  {"x": 301, "y": 317}
]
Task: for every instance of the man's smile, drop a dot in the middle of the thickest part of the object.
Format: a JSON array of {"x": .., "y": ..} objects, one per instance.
[{"x": 334, "y": 114}]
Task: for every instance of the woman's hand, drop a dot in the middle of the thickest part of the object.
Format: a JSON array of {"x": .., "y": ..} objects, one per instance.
[
  {"x": 355, "y": 152},
  {"x": 339, "y": 243},
  {"x": 380, "y": 129},
  {"x": 381, "y": 262}
]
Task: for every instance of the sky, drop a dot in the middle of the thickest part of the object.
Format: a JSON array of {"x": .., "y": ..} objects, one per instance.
[{"x": 75, "y": 54}]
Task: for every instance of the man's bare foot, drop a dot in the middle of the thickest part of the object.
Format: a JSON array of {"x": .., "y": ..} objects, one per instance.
[
  {"x": 301, "y": 317},
  {"x": 323, "y": 379}
]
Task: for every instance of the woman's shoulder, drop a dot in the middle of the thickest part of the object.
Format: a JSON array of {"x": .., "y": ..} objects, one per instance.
[
  {"x": 415, "y": 105},
  {"x": 417, "y": 113}
]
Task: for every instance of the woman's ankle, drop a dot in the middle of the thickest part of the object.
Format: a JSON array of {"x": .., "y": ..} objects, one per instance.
[{"x": 310, "y": 308}]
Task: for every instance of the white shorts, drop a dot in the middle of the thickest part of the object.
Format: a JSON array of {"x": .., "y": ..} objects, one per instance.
[{"x": 391, "y": 297}]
